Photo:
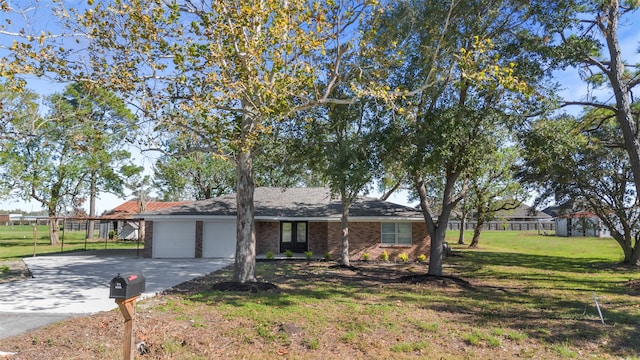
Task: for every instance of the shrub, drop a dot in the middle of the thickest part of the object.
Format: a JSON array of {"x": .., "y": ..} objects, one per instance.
[
  {"x": 327, "y": 256},
  {"x": 384, "y": 256},
  {"x": 403, "y": 257},
  {"x": 365, "y": 256},
  {"x": 289, "y": 253},
  {"x": 308, "y": 254},
  {"x": 269, "y": 255},
  {"x": 422, "y": 258}
]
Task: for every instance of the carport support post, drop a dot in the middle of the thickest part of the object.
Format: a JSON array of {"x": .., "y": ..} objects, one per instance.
[{"x": 128, "y": 310}]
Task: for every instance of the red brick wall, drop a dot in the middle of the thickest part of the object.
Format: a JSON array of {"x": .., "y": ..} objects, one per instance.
[
  {"x": 365, "y": 237},
  {"x": 199, "y": 241},
  {"x": 267, "y": 237},
  {"x": 148, "y": 239},
  {"x": 318, "y": 243}
]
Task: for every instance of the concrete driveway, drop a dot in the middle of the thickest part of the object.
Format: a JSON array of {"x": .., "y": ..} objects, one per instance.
[{"x": 78, "y": 284}]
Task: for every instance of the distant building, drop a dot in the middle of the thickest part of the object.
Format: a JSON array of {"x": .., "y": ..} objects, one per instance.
[
  {"x": 582, "y": 223},
  {"x": 523, "y": 217},
  {"x": 121, "y": 220}
]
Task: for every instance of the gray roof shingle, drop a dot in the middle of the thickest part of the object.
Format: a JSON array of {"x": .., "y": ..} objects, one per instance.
[{"x": 291, "y": 203}]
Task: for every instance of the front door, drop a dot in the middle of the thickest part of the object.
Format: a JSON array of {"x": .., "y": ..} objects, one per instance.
[{"x": 293, "y": 236}]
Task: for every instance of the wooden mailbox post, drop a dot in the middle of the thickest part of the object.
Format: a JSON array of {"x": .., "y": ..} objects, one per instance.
[{"x": 126, "y": 289}]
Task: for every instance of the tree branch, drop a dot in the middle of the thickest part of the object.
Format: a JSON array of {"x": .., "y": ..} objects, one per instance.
[{"x": 588, "y": 103}]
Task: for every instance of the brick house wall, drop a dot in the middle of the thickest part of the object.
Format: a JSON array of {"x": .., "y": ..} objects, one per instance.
[
  {"x": 323, "y": 237},
  {"x": 318, "y": 235},
  {"x": 199, "y": 239},
  {"x": 267, "y": 237},
  {"x": 365, "y": 237},
  {"x": 148, "y": 239}
]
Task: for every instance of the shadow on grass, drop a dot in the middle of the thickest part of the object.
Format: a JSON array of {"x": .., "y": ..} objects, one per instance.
[
  {"x": 541, "y": 262},
  {"x": 543, "y": 271},
  {"x": 549, "y": 311}
]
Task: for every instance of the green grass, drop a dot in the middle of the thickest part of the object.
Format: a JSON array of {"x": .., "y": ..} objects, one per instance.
[
  {"x": 528, "y": 289},
  {"x": 589, "y": 264},
  {"x": 531, "y": 297},
  {"x": 18, "y": 241},
  {"x": 530, "y": 243}
]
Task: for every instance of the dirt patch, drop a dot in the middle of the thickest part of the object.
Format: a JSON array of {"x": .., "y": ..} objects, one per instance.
[
  {"x": 442, "y": 280},
  {"x": 634, "y": 285},
  {"x": 13, "y": 270}
]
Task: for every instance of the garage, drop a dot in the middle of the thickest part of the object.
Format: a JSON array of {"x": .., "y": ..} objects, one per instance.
[
  {"x": 174, "y": 239},
  {"x": 219, "y": 239}
]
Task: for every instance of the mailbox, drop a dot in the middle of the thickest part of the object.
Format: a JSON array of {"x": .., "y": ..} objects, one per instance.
[{"x": 126, "y": 286}]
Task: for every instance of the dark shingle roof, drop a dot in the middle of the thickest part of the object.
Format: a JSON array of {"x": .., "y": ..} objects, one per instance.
[
  {"x": 523, "y": 211},
  {"x": 291, "y": 203}
]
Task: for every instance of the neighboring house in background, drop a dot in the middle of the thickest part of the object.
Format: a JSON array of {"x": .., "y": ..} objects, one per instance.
[
  {"x": 582, "y": 223},
  {"x": 19, "y": 219},
  {"x": 524, "y": 217},
  {"x": 553, "y": 211},
  {"x": 122, "y": 218},
  {"x": 296, "y": 219}
]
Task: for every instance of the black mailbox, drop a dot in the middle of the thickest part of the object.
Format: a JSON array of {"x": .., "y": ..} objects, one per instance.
[{"x": 126, "y": 286}]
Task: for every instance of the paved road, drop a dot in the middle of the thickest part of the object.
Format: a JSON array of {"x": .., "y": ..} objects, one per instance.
[{"x": 78, "y": 284}]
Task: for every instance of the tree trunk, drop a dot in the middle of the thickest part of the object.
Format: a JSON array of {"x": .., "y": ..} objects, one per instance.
[
  {"x": 344, "y": 221},
  {"x": 635, "y": 254},
  {"x": 463, "y": 222},
  {"x": 92, "y": 206},
  {"x": 141, "y": 231},
  {"x": 245, "y": 262},
  {"x": 436, "y": 252},
  {"x": 54, "y": 230},
  {"x": 476, "y": 233},
  {"x": 621, "y": 91},
  {"x": 437, "y": 231}
]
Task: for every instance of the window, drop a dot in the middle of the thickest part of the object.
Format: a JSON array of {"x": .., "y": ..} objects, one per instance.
[{"x": 396, "y": 233}]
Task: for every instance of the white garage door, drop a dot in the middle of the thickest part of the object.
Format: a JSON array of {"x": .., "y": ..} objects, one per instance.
[
  {"x": 174, "y": 239},
  {"x": 219, "y": 239}
]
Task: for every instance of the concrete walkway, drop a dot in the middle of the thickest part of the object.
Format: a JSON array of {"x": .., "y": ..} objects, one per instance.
[{"x": 76, "y": 284}]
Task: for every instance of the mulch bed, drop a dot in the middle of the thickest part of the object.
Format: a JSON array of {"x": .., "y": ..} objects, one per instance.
[
  {"x": 442, "y": 280},
  {"x": 253, "y": 287}
]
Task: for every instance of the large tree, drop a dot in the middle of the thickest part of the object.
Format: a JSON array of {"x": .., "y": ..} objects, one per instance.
[
  {"x": 493, "y": 187},
  {"x": 45, "y": 165},
  {"x": 69, "y": 154},
  {"x": 588, "y": 39},
  {"x": 342, "y": 145},
  {"x": 236, "y": 67},
  {"x": 107, "y": 125},
  {"x": 191, "y": 170},
  {"x": 581, "y": 164},
  {"x": 460, "y": 79},
  {"x": 19, "y": 114}
]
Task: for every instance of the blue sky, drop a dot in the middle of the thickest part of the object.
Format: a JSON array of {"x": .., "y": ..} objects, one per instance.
[{"x": 573, "y": 89}]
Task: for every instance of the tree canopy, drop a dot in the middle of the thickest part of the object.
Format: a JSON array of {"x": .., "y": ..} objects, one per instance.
[{"x": 228, "y": 90}]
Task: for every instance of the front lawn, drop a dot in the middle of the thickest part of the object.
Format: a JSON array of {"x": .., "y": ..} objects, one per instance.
[
  {"x": 18, "y": 241},
  {"x": 521, "y": 302}
]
